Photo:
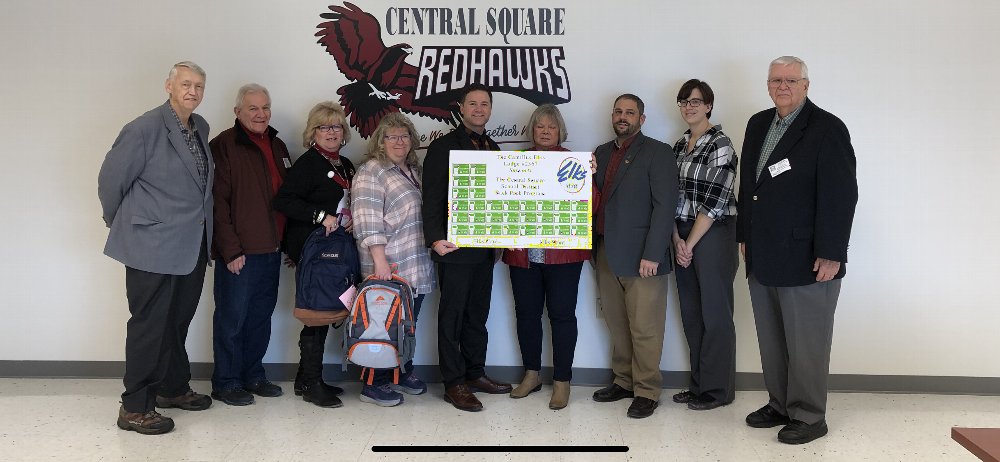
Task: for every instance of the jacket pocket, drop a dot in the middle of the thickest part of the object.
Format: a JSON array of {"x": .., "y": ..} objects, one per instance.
[
  {"x": 802, "y": 233},
  {"x": 137, "y": 220}
]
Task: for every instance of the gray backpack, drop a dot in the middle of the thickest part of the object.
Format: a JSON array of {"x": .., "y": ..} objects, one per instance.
[{"x": 380, "y": 332}]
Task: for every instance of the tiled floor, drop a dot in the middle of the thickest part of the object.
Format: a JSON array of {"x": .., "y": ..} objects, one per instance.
[{"x": 74, "y": 420}]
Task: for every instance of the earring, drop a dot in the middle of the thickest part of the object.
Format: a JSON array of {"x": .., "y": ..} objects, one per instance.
[{"x": 343, "y": 143}]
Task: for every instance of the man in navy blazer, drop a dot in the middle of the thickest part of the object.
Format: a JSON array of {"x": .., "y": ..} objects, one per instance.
[
  {"x": 798, "y": 191},
  {"x": 155, "y": 188},
  {"x": 637, "y": 179}
]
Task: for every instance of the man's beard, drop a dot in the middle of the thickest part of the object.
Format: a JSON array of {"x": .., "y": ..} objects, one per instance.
[{"x": 631, "y": 130}]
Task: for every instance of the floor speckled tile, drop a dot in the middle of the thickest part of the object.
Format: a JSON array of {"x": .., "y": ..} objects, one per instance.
[{"x": 74, "y": 420}]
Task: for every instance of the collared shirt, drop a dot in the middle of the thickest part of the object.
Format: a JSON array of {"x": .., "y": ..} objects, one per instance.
[
  {"x": 617, "y": 154},
  {"x": 707, "y": 175},
  {"x": 478, "y": 139},
  {"x": 385, "y": 205},
  {"x": 194, "y": 145},
  {"x": 774, "y": 133}
]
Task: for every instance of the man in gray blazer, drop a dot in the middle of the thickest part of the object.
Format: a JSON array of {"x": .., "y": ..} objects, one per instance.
[
  {"x": 637, "y": 184},
  {"x": 155, "y": 188}
]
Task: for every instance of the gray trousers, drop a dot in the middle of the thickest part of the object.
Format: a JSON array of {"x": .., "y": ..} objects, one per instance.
[
  {"x": 705, "y": 292},
  {"x": 795, "y": 333}
]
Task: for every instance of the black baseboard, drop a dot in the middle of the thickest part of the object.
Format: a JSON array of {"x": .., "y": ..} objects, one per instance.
[{"x": 581, "y": 376}]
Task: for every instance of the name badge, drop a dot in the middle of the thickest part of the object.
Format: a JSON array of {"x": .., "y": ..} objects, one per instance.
[
  {"x": 288, "y": 163},
  {"x": 779, "y": 168}
]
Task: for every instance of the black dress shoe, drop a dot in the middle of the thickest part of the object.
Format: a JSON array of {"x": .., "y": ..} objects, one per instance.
[
  {"x": 799, "y": 432},
  {"x": 642, "y": 407},
  {"x": 705, "y": 403},
  {"x": 685, "y": 397},
  {"x": 264, "y": 388},
  {"x": 612, "y": 393},
  {"x": 766, "y": 417},
  {"x": 233, "y": 396}
]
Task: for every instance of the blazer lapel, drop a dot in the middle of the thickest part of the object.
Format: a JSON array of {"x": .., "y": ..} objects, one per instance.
[
  {"x": 180, "y": 146},
  {"x": 787, "y": 141},
  {"x": 630, "y": 154}
]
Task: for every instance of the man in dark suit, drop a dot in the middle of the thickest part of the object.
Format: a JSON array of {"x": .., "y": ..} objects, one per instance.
[
  {"x": 155, "y": 188},
  {"x": 637, "y": 181},
  {"x": 465, "y": 275},
  {"x": 798, "y": 191}
]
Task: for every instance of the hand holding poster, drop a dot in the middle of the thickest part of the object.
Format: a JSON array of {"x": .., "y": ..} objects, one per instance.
[{"x": 536, "y": 199}]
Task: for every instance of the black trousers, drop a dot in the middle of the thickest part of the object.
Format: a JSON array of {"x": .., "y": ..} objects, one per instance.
[
  {"x": 462, "y": 315},
  {"x": 162, "y": 307},
  {"x": 554, "y": 286},
  {"x": 705, "y": 292}
]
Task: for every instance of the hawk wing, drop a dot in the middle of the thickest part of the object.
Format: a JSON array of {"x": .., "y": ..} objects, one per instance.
[{"x": 354, "y": 38}]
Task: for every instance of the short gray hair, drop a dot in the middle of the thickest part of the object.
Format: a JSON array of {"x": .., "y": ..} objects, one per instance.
[
  {"x": 188, "y": 64},
  {"x": 246, "y": 90},
  {"x": 786, "y": 60},
  {"x": 551, "y": 111}
]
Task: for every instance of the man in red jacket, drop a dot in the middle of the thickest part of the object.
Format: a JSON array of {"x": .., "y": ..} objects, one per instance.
[{"x": 250, "y": 165}]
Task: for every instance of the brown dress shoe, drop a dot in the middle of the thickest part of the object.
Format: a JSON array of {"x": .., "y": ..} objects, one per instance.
[
  {"x": 488, "y": 385},
  {"x": 463, "y": 399}
]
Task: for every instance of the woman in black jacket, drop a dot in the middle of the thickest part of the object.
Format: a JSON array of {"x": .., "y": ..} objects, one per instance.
[{"x": 311, "y": 198}]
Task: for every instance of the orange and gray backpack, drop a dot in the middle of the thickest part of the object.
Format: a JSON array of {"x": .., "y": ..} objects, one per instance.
[{"x": 380, "y": 332}]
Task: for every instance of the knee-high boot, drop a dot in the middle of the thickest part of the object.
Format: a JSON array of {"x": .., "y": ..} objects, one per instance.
[{"x": 309, "y": 378}]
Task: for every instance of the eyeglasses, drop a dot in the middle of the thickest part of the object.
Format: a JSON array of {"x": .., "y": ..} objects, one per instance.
[
  {"x": 691, "y": 102},
  {"x": 326, "y": 128},
  {"x": 789, "y": 82},
  {"x": 396, "y": 138}
]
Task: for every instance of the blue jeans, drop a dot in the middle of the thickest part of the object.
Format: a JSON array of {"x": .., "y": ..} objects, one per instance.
[
  {"x": 384, "y": 376},
  {"x": 241, "y": 327}
]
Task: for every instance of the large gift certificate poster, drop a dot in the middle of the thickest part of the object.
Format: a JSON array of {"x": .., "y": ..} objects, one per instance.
[{"x": 537, "y": 199}]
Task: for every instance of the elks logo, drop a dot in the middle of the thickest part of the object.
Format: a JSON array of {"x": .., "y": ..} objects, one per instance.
[
  {"x": 382, "y": 81},
  {"x": 571, "y": 174}
]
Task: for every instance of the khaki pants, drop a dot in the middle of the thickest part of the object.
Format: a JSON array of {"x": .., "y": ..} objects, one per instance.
[{"x": 635, "y": 310}]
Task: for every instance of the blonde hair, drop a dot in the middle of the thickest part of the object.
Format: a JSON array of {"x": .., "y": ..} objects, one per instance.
[
  {"x": 325, "y": 113},
  {"x": 549, "y": 110},
  {"x": 376, "y": 144}
]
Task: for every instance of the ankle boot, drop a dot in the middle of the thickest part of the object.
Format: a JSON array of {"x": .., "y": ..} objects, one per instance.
[
  {"x": 560, "y": 395},
  {"x": 309, "y": 382},
  {"x": 530, "y": 384}
]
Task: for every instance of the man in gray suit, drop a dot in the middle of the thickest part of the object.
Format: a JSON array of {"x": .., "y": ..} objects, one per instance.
[
  {"x": 155, "y": 188},
  {"x": 637, "y": 183}
]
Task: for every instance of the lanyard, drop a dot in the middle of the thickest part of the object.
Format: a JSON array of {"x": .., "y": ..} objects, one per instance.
[{"x": 412, "y": 179}]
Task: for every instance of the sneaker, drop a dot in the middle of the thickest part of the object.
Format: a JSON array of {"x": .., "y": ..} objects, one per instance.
[
  {"x": 233, "y": 396},
  {"x": 189, "y": 401},
  {"x": 264, "y": 388},
  {"x": 148, "y": 423},
  {"x": 381, "y": 395},
  {"x": 410, "y": 385}
]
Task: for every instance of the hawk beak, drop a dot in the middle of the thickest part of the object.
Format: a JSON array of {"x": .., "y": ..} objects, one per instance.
[{"x": 408, "y": 51}]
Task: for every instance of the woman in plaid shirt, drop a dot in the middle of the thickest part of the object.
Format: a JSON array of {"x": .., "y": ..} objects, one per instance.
[
  {"x": 705, "y": 241},
  {"x": 385, "y": 205}
]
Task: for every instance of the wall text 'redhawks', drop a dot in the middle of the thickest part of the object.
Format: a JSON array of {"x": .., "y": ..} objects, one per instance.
[{"x": 533, "y": 73}]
